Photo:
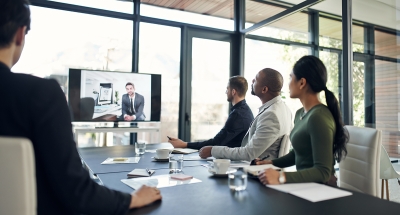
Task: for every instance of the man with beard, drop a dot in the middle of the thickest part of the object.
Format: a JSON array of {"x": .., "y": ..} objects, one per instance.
[
  {"x": 273, "y": 121},
  {"x": 236, "y": 125}
]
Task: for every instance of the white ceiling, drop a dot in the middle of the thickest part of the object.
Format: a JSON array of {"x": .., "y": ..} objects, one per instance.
[{"x": 380, "y": 12}]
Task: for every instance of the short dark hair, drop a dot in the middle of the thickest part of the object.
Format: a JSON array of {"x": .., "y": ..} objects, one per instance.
[
  {"x": 129, "y": 83},
  {"x": 240, "y": 84},
  {"x": 13, "y": 15},
  {"x": 273, "y": 80}
]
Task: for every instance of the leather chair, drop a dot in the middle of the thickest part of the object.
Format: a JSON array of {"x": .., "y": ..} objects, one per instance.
[
  {"x": 17, "y": 178},
  {"x": 86, "y": 108},
  {"x": 359, "y": 170},
  {"x": 285, "y": 146},
  {"x": 386, "y": 171}
]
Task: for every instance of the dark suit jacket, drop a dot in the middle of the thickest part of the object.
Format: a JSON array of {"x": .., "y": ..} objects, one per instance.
[
  {"x": 234, "y": 130},
  {"x": 139, "y": 105},
  {"x": 36, "y": 108}
]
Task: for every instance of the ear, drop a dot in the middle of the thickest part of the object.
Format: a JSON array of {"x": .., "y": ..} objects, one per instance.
[
  {"x": 233, "y": 92},
  {"x": 20, "y": 36},
  {"x": 303, "y": 83},
  {"x": 265, "y": 89}
]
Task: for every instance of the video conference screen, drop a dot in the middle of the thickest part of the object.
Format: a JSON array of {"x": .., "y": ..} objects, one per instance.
[{"x": 114, "y": 96}]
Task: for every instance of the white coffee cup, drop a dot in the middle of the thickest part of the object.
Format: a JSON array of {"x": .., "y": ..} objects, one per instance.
[
  {"x": 162, "y": 153},
  {"x": 221, "y": 166}
]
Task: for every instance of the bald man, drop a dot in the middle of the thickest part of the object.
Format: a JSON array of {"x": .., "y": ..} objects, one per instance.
[{"x": 273, "y": 120}]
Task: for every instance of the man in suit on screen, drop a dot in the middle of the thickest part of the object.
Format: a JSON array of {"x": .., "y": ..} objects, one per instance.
[{"x": 132, "y": 104}]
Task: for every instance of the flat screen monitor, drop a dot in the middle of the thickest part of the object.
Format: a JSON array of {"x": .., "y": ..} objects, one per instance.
[{"x": 114, "y": 96}]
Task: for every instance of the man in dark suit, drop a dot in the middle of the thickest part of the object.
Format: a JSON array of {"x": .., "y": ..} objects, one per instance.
[
  {"x": 236, "y": 125},
  {"x": 132, "y": 104},
  {"x": 41, "y": 114}
]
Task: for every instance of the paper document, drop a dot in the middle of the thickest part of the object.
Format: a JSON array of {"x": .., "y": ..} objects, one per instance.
[
  {"x": 151, "y": 150},
  {"x": 256, "y": 168},
  {"x": 119, "y": 160},
  {"x": 237, "y": 164},
  {"x": 184, "y": 150},
  {"x": 157, "y": 181},
  {"x": 197, "y": 158},
  {"x": 313, "y": 192}
]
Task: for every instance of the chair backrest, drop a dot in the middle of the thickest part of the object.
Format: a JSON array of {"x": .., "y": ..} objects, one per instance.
[
  {"x": 387, "y": 170},
  {"x": 17, "y": 176},
  {"x": 359, "y": 171},
  {"x": 87, "y": 108},
  {"x": 285, "y": 145}
]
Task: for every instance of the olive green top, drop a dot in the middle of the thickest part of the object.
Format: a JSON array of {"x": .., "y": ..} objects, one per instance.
[{"x": 312, "y": 140}]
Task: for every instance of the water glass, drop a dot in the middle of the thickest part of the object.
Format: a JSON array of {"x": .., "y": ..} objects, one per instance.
[
  {"x": 176, "y": 163},
  {"x": 237, "y": 180},
  {"x": 140, "y": 147}
]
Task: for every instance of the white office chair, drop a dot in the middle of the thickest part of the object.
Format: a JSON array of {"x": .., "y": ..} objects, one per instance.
[
  {"x": 285, "y": 146},
  {"x": 387, "y": 171},
  {"x": 359, "y": 171},
  {"x": 17, "y": 177}
]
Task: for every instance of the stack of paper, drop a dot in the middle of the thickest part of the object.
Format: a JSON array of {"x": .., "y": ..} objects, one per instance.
[
  {"x": 256, "y": 168},
  {"x": 311, "y": 191},
  {"x": 119, "y": 160},
  {"x": 140, "y": 173}
]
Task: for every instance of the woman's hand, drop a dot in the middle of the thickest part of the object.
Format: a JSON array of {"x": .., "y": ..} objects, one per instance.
[
  {"x": 261, "y": 162},
  {"x": 269, "y": 176}
]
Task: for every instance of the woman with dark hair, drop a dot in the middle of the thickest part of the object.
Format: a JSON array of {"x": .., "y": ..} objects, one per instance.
[{"x": 318, "y": 137}]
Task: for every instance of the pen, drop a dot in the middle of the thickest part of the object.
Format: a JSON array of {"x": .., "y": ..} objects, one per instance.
[
  {"x": 169, "y": 138},
  {"x": 253, "y": 162},
  {"x": 148, "y": 171}
]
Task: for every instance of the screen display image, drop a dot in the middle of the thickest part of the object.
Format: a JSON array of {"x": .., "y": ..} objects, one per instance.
[{"x": 114, "y": 96}]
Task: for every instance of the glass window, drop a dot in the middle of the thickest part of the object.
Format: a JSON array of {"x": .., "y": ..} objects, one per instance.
[
  {"x": 387, "y": 44},
  {"x": 74, "y": 40},
  {"x": 210, "y": 76},
  {"x": 293, "y": 28},
  {"x": 161, "y": 55},
  {"x": 387, "y": 108},
  {"x": 209, "y": 13},
  {"x": 123, "y": 6},
  {"x": 331, "y": 62},
  {"x": 330, "y": 34},
  {"x": 358, "y": 94},
  {"x": 258, "y": 55}
]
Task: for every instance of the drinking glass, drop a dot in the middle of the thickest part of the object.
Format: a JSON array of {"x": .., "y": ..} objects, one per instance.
[
  {"x": 140, "y": 147},
  {"x": 176, "y": 163}
]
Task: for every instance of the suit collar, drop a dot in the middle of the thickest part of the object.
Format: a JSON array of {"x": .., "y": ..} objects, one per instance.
[
  {"x": 237, "y": 105},
  {"x": 269, "y": 103}
]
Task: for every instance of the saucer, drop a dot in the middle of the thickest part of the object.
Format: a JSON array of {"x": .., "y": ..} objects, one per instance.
[
  {"x": 160, "y": 159},
  {"x": 212, "y": 171}
]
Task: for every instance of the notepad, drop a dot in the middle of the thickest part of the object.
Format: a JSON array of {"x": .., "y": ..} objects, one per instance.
[
  {"x": 181, "y": 177},
  {"x": 140, "y": 173},
  {"x": 256, "y": 168},
  {"x": 311, "y": 191},
  {"x": 184, "y": 151}
]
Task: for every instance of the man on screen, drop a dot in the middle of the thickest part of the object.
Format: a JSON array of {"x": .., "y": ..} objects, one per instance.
[{"x": 132, "y": 104}]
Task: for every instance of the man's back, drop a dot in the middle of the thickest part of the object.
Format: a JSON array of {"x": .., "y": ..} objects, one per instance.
[
  {"x": 235, "y": 128},
  {"x": 36, "y": 108},
  {"x": 264, "y": 135}
]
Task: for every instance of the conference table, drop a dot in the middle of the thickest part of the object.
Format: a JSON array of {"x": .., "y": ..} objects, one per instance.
[{"x": 213, "y": 196}]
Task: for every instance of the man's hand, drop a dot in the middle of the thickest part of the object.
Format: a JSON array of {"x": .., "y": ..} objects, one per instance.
[
  {"x": 205, "y": 152},
  {"x": 129, "y": 118},
  {"x": 269, "y": 176},
  {"x": 177, "y": 143},
  {"x": 144, "y": 196}
]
